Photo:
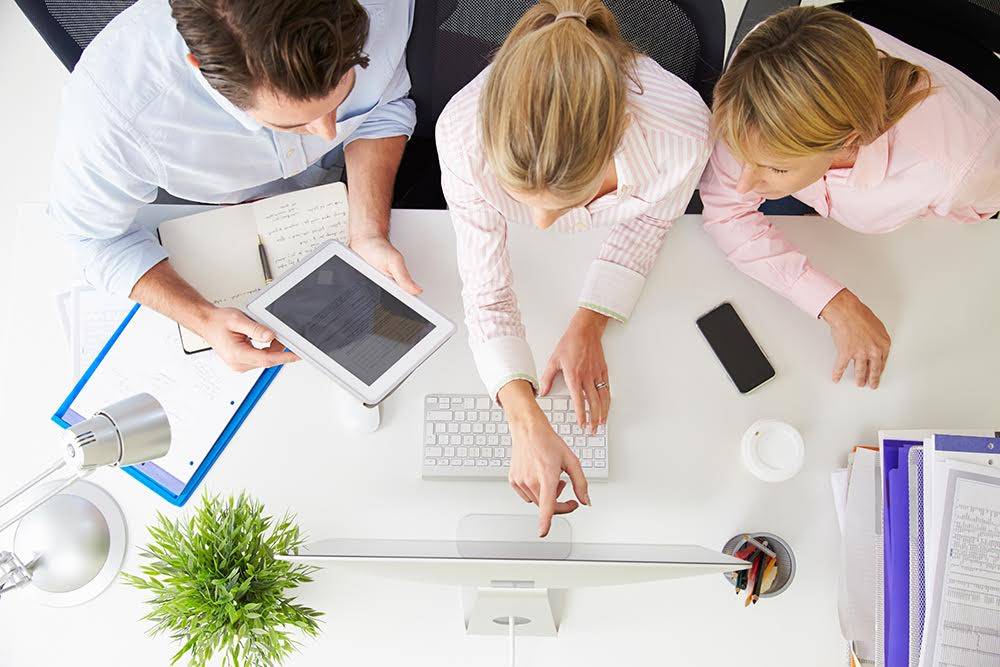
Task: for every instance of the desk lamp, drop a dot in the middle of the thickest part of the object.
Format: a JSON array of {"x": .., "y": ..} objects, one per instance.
[{"x": 74, "y": 534}]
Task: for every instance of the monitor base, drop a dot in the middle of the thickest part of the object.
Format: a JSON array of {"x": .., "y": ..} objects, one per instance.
[{"x": 488, "y": 610}]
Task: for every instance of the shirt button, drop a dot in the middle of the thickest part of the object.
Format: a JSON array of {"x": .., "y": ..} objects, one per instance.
[{"x": 290, "y": 152}]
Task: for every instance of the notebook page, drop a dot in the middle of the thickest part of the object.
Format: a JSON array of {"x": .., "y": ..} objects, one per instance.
[{"x": 293, "y": 225}]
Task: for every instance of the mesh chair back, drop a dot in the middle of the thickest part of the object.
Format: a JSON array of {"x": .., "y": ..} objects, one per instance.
[
  {"x": 68, "y": 26},
  {"x": 453, "y": 40}
]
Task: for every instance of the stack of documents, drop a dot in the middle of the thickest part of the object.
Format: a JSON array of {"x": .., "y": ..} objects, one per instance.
[{"x": 920, "y": 519}]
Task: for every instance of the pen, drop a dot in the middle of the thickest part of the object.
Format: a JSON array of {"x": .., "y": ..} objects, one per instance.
[{"x": 264, "y": 264}]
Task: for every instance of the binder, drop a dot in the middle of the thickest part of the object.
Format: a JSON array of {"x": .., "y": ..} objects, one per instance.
[{"x": 149, "y": 474}]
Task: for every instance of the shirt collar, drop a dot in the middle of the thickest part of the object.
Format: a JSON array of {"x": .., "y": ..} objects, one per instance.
[
  {"x": 244, "y": 119},
  {"x": 871, "y": 164},
  {"x": 633, "y": 161}
]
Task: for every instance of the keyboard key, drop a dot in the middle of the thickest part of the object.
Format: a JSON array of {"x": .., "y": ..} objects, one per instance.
[
  {"x": 462, "y": 452},
  {"x": 449, "y": 451},
  {"x": 577, "y": 430},
  {"x": 443, "y": 462},
  {"x": 454, "y": 440},
  {"x": 442, "y": 440},
  {"x": 545, "y": 403},
  {"x": 481, "y": 462},
  {"x": 432, "y": 400},
  {"x": 587, "y": 453},
  {"x": 480, "y": 440},
  {"x": 559, "y": 417},
  {"x": 430, "y": 462},
  {"x": 587, "y": 463},
  {"x": 482, "y": 404},
  {"x": 565, "y": 429},
  {"x": 484, "y": 416},
  {"x": 496, "y": 415},
  {"x": 580, "y": 441},
  {"x": 453, "y": 428},
  {"x": 568, "y": 440},
  {"x": 444, "y": 401},
  {"x": 487, "y": 452},
  {"x": 477, "y": 428},
  {"x": 456, "y": 462},
  {"x": 505, "y": 440},
  {"x": 466, "y": 428},
  {"x": 467, "y": 440},
  {"x": 469, "y": 403},
  {"x": 432, "y": 451},
  {"x": 439, "y": 415},
  {"x": 459, "y": 416},
  {"x": 469, "y": 462},
  {"x": 599, "y": 463},
  {"x": 440, "y": 428},
  {"x": 492, "y": 440},
  {"x": 560, "y": 404},
  {"x": 496, "y": 463},
  {"x": 595, "y": 442},
  {"x": 474, "y": 452},
  {"x": 602, "y": 429},
  {"x": 430, "y": 439},
  {"x": 503, "y": 428},
  {"x": 491, "y": 428},
  {"x": 600, "y": 453}
]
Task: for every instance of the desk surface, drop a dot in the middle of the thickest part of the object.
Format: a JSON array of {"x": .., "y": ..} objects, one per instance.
[{"x": 675, "y": 430}]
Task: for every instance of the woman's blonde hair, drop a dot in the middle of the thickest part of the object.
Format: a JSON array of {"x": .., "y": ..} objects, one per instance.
[
  {"x": 554, "y": 107},
  {"x": 805, "y": 80}
]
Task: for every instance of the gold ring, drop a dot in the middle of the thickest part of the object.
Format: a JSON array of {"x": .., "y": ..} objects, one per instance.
[{"x": 601, "y": 385}]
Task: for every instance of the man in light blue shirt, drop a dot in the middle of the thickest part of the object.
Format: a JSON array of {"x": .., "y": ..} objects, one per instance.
[{"x": 224, "y": 101}]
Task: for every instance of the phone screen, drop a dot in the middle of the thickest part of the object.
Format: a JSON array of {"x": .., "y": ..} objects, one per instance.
[{"x": 735, "y": 347}]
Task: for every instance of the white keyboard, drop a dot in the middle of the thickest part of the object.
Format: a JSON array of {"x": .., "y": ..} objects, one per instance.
[{"x": 466, "y": 436}]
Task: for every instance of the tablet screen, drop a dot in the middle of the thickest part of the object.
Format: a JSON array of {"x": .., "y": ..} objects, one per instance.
[{"x": 351, "y": 319}]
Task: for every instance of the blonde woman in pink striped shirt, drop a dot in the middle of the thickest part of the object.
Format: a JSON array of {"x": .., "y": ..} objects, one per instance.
[
  {"x": 862, "y": 127},
  {"x": 568, "y": 128}
]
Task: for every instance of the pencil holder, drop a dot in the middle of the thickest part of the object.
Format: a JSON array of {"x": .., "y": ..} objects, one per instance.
[{"x": 784, "y": 553}]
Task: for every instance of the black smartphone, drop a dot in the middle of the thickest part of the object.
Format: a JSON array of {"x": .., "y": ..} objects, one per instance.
[{"x": 735, "y": 347}]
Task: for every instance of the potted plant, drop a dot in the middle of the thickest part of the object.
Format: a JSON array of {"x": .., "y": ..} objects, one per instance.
[{"x": 218, "y": 588}]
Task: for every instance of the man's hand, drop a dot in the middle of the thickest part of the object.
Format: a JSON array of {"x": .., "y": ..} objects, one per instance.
[
  {"x": 377, "y": 251},
  {"x": 579, "y": 355},
  {"x": 230, "y": 333},
  {"x": 859, "y": 336},
  {"x": 539, "y": 457}
]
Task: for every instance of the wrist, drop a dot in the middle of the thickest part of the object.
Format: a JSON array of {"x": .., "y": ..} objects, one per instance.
[
  {"x": 833, "y": 311},
  {"x": 591, "y": 319},
  {"x": 518, "y": 400}
]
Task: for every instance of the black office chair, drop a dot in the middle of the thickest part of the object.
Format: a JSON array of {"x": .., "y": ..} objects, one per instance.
[
  {"x": 68, "y": 26},
  {"x": 453, "y": 40}
]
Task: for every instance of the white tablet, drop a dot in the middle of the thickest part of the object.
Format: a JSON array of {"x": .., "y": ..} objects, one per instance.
[{"x": 351, "y": 321}]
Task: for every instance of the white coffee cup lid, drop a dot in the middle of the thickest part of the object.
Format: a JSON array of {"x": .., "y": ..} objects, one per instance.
[{"x": 772, "y": 450}]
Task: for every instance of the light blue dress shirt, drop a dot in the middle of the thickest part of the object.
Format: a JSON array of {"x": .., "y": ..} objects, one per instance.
[{"x": 137, "y": 117}]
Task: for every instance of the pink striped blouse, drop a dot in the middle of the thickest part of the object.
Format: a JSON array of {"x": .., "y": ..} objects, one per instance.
[
  {"x": 659, "y": 162},
  {"x": 941, "y": 159}
]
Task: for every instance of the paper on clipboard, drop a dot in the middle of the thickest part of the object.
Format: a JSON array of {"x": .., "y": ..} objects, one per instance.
[{"x": 199, "y": 393}]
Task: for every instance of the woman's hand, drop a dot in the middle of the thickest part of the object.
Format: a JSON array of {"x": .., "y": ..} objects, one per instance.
[
  {"x": 859, "y": 336},
  {"x": 579, "y": 355},
  {"x": 539, "y": 457}
]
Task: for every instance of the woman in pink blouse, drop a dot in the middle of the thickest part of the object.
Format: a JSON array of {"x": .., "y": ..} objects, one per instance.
[
  {"x": 568, "y": 128},
  {"x": 867, "y": 130}
]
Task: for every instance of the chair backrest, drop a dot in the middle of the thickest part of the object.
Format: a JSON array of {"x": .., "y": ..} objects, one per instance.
[
  {"x": 453, "y": 40},
  {"x": 68, "y": 26}
]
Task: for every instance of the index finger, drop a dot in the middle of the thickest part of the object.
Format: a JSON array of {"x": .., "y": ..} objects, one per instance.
[
  {"x": 264, "y": 358},
  {"x": 546, "y": 507},
  {"x": 875, "y": 371},
  {"x": 840, "y": 367}
]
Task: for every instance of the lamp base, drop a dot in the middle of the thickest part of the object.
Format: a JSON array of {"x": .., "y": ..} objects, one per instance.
[{"x": 74, "y": 545}]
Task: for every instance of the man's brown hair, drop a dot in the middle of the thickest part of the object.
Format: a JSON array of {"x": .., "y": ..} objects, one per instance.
[{"x": 298, "y": 49}]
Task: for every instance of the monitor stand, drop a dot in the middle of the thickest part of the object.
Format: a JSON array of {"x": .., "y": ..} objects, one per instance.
[
  {"x": 491, "y": 610},
  {"x": 353, "y": 414}
]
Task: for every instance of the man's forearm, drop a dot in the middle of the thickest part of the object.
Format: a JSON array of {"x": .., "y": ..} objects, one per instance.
[
  {"x": 163, "y": 290},
  {"x": 371, "y": 172}
]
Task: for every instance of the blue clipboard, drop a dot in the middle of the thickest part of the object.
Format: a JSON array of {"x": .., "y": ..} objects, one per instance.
[{"x": 146, "y": 473}]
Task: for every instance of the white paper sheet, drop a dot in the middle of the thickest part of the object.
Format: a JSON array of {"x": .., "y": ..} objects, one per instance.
[
  {"x": 964, "y": 618},
  {"x": 199, "y": 393}
]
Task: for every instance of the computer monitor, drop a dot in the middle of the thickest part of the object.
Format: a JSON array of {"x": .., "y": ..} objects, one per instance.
[{"x": 511, "y": 580}]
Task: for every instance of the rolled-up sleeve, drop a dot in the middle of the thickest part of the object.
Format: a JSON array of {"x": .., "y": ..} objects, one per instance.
[
  {"x": 615, "y": 279},
  {"x": 102, "y": 175},
  {"x": 396, "y": 113},
  {"x": 752, "y": 243},
  {"x": 496, "y": 333}
]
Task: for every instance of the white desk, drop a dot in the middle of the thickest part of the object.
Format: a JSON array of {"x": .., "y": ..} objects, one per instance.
[{"x": 676, "y": 424}]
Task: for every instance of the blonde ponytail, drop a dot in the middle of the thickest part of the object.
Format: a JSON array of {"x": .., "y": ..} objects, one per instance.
[
  {"x": 805, "y": 81},
  {"x": 554, "y": 107}
]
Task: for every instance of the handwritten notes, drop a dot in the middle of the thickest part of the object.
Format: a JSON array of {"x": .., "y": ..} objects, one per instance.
[{"x": 292, "y": 226}]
